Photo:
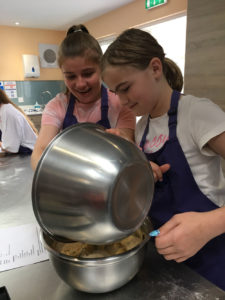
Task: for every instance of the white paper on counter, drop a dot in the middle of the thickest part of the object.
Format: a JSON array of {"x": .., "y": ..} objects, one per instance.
[{"x": 21, "y": 246}]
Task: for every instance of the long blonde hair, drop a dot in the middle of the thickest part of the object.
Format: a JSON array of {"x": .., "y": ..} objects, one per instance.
[{"x": 4, "y": 99}]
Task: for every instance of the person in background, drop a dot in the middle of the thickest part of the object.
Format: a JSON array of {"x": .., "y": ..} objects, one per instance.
[
  {"x": 17, "y": 133},
  {"x": 186, "y": 132},
  {"x": 86, "y": 99}
]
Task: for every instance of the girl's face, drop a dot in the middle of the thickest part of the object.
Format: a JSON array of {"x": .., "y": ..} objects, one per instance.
[
  {"x": 135, "y": 88},
  {"x": 82, "y": 77}
]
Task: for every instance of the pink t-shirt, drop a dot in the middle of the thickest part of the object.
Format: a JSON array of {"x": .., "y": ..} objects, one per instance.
[{"x": 119, "y": 116}]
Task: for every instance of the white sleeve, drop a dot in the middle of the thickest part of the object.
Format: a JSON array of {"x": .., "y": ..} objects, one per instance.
[
  {"x": 207, "y": 121},
  {"x": 12, "y": 131}
]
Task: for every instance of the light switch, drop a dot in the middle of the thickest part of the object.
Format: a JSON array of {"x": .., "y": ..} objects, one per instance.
[{"x": 20, "y": 99}]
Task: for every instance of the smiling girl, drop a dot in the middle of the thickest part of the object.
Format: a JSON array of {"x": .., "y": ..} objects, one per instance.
[{"x": 86, "y": 99}]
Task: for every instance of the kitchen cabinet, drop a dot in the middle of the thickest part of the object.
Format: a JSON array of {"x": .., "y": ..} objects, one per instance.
[{"x": 36, "y": 119}]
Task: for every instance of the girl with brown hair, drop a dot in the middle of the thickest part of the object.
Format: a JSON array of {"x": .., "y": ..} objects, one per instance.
[
  {"x": 17, "y": 133},
  {"x": 86, "y": 98},
  {"x": 188, "y": 134}
]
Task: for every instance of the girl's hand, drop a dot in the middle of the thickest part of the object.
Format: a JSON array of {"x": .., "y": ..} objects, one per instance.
[
  {"x": 184, "y": 235},
  {"x": 126, "y": 133},
  {"x": 115, "y": 131},
  {"x": 159, "y": 170}
]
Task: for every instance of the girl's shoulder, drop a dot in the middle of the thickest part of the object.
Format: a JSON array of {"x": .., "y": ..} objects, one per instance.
[
  {"x": 200, "y": 119},
  {"x": 59, "y": 102},
  {"x": 59, "y": 98},
  {"x": 189, "y": 102},
  {"x": 10, "y": 110},
  {"x": 195, "y": 101},
  {"x": 199, "y": 108},
  {"x": 7, "y": 107}
]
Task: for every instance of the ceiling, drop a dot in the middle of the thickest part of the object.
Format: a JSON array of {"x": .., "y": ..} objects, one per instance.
[{"x": 53, "y": 14}]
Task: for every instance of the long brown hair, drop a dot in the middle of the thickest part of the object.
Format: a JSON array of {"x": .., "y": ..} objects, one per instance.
[
  {"x": 136, "y": 48},
  {"x": 4, "y": 99}
]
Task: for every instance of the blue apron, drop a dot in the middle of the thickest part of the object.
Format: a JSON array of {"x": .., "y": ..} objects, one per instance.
[
  {"x": 22, "y": 150},
  {"x": 177, "y": 193},
  {"x": 70, "y": 119}
]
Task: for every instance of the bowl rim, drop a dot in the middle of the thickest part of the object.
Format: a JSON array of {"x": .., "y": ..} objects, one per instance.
[{"x": 100, "y": 260}]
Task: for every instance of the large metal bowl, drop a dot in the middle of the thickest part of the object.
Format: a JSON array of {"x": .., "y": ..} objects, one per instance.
[
  {"x": 98, "y": 275},
  {"x": 91, "y": 186}
]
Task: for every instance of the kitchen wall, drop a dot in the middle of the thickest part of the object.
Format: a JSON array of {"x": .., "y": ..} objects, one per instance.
[
  {"x": 16, "y": 41},
  {"x": 205, "y": 50},
  {"x": 40, "y": 91},
  {"x": 133, "y": 14}
]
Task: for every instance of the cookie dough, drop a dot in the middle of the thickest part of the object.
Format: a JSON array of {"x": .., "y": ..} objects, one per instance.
[{"x": 83, "y": 250}]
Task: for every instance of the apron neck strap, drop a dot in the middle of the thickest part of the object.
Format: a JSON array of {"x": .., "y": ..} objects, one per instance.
[{"x": 172, "y": 113}]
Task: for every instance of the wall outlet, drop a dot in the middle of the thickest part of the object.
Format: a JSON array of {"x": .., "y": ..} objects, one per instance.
[{"x": 20, "y": 99}]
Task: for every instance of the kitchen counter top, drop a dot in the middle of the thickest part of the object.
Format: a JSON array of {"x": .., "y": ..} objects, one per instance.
[
  {"x": 157, "y": 279},
  {"x": 31, "y": 110},
  {"x": 15, "y": 190},
  {"x": 33, "y": 113}
]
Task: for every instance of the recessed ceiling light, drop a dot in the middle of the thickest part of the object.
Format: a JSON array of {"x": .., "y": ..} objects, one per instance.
[{"x": 17, "y": 23}]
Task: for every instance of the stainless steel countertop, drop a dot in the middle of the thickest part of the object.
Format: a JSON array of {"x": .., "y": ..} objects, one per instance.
[
  {"x": 15, "y": 191},
  {"x": 31, "y": 110},
  {"x": 157, "y": 279}
]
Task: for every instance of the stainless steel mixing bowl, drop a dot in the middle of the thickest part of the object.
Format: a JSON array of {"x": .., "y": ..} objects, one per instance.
[
  {"x": 91, "y": 186},
  {"x": 98, "y": 275}
]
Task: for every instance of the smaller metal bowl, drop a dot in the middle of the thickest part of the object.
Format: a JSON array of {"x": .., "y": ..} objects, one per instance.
[{"x": 98, "y": 275}]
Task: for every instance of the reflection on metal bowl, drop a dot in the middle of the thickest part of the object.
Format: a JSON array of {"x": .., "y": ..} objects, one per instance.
[
  {"x": 98, "y": 275},
  {"x": 91, "y": 186}
]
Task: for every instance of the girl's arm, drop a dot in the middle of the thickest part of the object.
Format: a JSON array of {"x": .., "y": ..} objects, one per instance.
[
  {"x": 47, "y": 133},
  {"x": 186, "y": 233},
  {"x": 128, "y": 134},
  {"x": 125, "y": 133}
]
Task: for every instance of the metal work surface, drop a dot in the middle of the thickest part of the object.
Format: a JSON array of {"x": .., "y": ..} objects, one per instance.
[
  {"x": 15, "y": 191},
  {"x": 157, "y": 279}
]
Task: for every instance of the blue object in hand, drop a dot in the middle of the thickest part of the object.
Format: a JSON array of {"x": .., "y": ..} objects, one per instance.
[{"x": 154, "y": 232}]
